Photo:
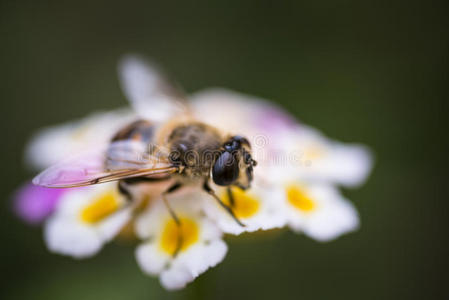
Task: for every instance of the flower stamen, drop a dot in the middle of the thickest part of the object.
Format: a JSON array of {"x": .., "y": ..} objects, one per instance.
[
  {"x": 299, "y": 199},
  {"x": 187, "y": 231},
  {"x": 244, "y": 205},
  {"x": 103, "y": 206}
]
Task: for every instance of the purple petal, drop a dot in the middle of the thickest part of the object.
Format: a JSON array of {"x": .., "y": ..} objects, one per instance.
[
  {"x": 271, "y": 119},
  {"x": 34, "y": 203}
]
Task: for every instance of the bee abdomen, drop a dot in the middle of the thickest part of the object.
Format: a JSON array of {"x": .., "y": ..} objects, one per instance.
[{"x": 140, "y": 130}]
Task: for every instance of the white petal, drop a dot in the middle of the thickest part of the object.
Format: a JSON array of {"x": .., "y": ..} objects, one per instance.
[
  {"x": 208, "y": 255},
  {"x": 150, "y": 259},
  {"x": 72, "y": 201},
  {"x": 68, "y": 238},
  {"x": 66, "y": 233},
  {"x": 216, "y": 253},
  {"x": 150, "y": 222},
  {"x": 346, "y": 164},
  {"x": 239, "y": 113},
  {"x": 336, "y": 220},
  {"x": 206, "y": 252},
  {"x": 111, "y": 226},
  {"x": 189, "y": 265},
  {"x": 148, "y": 92},
  {"x": 175, "y": 279},
  {"x": 333, "y": 216},
  {"x": 48, "y": 146},
  {"x": 53, "y": 144},
  {"x": 349, "y": 165},
  {"x": 175, "y": 273},
  {"x": 209, "y": 230}
]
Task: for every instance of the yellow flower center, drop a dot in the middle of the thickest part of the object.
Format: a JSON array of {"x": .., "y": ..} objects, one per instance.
[
  {"x": 100, "y": 208},
  {"x": 179, "y": 237},
  {"x": 244, "y": 205},
  {"x": 299, "y": 199}
]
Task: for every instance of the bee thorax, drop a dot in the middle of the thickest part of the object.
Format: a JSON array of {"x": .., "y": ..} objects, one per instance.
[{"x": 194, "y": 146}]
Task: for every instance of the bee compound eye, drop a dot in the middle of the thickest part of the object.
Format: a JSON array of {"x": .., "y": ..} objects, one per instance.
[{"x": 225, "y": 170}]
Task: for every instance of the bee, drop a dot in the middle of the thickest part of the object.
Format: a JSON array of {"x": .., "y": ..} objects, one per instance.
[{"x": 166, "y": 143}]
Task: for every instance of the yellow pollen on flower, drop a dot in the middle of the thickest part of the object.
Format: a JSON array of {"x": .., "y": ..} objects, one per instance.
[
  {"x": 100, "y": 208},
  {"x": 187, "y": 233},
  {"x": 245, "y": 205},
  {"x": 314, "y": 152},
  {"x": 299, "y": 199}
]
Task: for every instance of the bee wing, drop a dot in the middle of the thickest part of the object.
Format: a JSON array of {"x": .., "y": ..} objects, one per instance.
[
  {"x": 119, "y": 160},
  {"x": 150, "y": 93}
]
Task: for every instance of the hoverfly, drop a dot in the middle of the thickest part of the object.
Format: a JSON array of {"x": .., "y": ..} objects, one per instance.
[{"x": 167, "y": 143}]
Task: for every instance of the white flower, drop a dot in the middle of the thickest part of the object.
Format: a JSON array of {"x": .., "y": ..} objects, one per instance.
[
  {"x": 198, "y": 241},
  {"x": 318, "y": 210},
  {"x": 85, "y": 219},
  {"x": 287, "y": 152},
  {"x": 282, "y": 146},
  {"x": 257, "y": 208},
  {"x": 313, "y": 157},
  {"x": 53, "y": 144},
  {"x": 242, "y": 114}
]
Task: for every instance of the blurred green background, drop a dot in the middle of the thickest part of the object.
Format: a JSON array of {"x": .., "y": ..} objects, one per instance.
[{"x": 374, "y": 72}]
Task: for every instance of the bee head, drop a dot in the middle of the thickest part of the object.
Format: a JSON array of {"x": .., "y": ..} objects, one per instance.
[{"x": 234, "y": 165}]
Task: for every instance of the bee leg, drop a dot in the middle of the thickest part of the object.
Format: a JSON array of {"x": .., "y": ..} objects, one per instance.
[
  {"x": 231, "y": 197},
  {"x": 211, "y": 192},
  {"x": 171, "y": 189},
  {"x": 123, "y": 188}
]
